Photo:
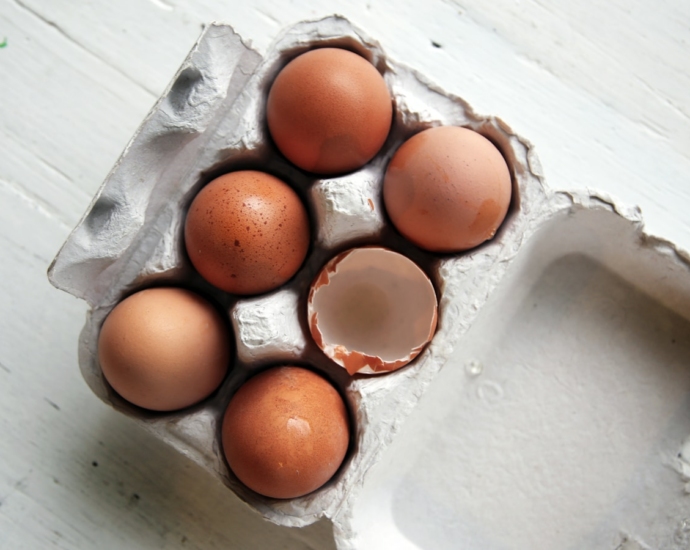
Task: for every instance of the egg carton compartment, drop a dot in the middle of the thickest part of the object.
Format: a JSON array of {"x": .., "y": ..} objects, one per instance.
[
  {"x": 562, "y": 419},
  {"x": 211, "y": 120}
]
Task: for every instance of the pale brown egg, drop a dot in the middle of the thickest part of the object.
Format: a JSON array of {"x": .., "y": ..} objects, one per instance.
[
  {"x": 285, "y": 432},
  {"x": 447, "y": 189},
  {"x": 329, "y": 111},
  {"x": 247, "y": 232},
  {"x": 371, "y": 310},
  {"x": 164, "y": 348}
]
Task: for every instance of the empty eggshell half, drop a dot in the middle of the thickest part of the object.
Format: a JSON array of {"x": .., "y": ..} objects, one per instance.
[{"x": 372, "y": 310}]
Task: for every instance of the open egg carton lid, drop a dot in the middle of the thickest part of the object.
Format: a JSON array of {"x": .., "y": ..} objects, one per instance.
[{"x": 211, "y": 120}]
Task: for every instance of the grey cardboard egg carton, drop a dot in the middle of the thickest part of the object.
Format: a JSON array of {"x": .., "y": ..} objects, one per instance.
[{"x": 211, "y": 120}]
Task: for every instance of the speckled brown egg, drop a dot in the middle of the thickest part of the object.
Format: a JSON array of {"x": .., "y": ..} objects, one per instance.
[
  {"x": 329, "y": 111},
  {"x": 285, "y": 432},
  {"x": 447, "y": 189},
  {"x": 247, "y": 232},
  {"x": 164, "y": 348}
]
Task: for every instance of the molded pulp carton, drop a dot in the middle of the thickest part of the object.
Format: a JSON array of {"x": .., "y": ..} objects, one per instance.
[{"x": 561, "y": 414}]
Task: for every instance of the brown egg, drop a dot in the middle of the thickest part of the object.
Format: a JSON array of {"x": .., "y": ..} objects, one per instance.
[
  {"x": 447, "y": 189},
  {"x": 285, "y": 432},
  {"x": 329, "y": 111},
  {"x": 164, "y": 348},
  {"x": 247, "y": 232}
]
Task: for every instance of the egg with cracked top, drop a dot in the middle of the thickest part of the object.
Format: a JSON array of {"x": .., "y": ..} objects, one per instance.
[{"x": 371, "y": 310}]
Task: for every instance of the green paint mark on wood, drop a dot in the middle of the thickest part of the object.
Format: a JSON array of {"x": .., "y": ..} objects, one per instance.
[{"x": 3, "y": 43}]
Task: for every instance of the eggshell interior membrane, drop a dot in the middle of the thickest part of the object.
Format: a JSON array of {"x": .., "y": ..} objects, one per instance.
[
  {"x": 164, "y": 348},
  {"x": 285, "y": 432},
  {"x": 447, "y": 189},
  {"x": 329, "y": 111},
  {"x": 372, "y": 310},
  {"x": 247, "y": 232}
]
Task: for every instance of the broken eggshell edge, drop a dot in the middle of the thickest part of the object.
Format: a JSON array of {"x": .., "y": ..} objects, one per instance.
[{"x": 353, "y": 361}]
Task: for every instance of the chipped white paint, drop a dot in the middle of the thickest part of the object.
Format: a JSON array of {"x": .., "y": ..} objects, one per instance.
[{"x": 584, "y": 82}]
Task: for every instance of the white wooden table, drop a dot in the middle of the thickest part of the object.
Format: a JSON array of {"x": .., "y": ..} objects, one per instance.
[{"x": 601, "y": 89}]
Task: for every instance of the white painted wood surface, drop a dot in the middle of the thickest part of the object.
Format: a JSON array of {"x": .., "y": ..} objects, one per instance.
[{"x": 600, "y": 88}]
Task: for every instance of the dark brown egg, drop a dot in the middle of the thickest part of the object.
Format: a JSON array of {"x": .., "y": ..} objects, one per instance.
[
  {"x": 329, "y": 111},
  {"x": 247, "y": 232},
  {"x": 285, "y": 432},
  {"x": 447, "y": 189}
]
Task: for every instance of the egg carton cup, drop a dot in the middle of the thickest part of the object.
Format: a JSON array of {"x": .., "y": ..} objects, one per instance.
[{"x": 211, "y": 120}]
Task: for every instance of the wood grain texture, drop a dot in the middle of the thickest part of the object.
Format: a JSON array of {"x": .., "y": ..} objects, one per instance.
[{"x": 601, "y": 89}]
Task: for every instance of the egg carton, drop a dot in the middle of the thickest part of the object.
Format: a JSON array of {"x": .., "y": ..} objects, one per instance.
[{"x": 211, "y": 120}]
